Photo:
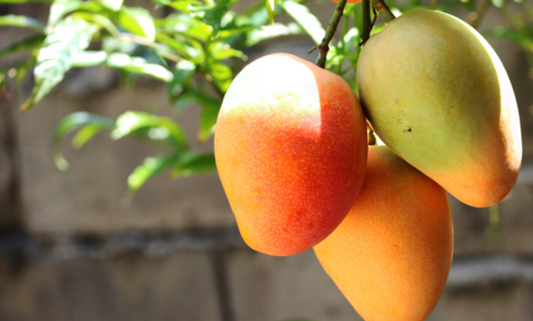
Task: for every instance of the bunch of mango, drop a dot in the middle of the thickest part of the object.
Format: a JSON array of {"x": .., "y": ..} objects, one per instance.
[{"x": 291, "y": 147}]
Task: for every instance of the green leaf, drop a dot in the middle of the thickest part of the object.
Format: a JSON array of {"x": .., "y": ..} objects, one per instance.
[
  {"x": 23, "y": 1},
  {"x": 29, "y": 43},
  {"x": 114, "y": 5},
  {"x": 186, "y": 48},
  {"x": 258, "y": 14},
  {"x": 71, "y": 123},
  {"x": 195, "y": 97},
  {"x": 122, "y": 61},
  {"x": 221, "y": 51},
  {"x": 511, "y": 35},
  {"x": 85, "y": 134},
  {"x": 60, "y": 8},
  {"x": 190, "y": 163},
  {"x": 222, "y": 75},
  {"x": 138, "y": 21},
  {"x": 182, "y": 74},
  {"x": 274, "y": 31},
  {"x": 210, "y": 108},
  {"x": 305, "y": 19},
  {"x": 149, "y": 168},
  {"x": 89, "y": 59},
  {"x": 211, "y": 14},
  {"x": 23, "y": 68},
  {"x": 21, "y": 21},
  {"x": 470, "y": 5},
  {"x": 183, "y": 5},
  {"x": 118, "y": 45},
  {"x": 61, "y": 46},
  {"x": 139, "y": 65},
  {"x": 160, "y": 128},
  {"x": 208, "y": 120},
  {"x": 184, "y": 25},
  {"x": 98, "y": 19},
  {"x": 352, "y": 39},
  {"x": 270, "y": 6}
]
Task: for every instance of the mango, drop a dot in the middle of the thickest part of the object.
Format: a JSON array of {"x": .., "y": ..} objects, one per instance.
[
  {"x": 290, "y": 149},
  {"x": 438, "y": 95},
  {"x": 349, "y": 1},
  {"x": 391, "y": 255}
]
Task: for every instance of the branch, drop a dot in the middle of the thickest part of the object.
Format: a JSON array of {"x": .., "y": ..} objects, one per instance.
[
  {"x": 474, "y": 18},
  {"x": 367, "y": 22},
  {"x": 323, "y": 47}
]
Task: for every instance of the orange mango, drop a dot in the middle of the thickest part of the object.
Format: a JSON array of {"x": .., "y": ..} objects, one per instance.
[
  {"x": 438, "y": 95},
  {"x": 349, "y": 1},
  {"x": 392, "y": 254},
  {"x": 290, "y": 149}
]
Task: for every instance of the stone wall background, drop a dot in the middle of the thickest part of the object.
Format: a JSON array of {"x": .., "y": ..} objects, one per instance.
[{"x": 72, "y": 249}]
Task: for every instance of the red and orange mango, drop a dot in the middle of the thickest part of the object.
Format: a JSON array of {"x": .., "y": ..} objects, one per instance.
[{"x": 290, "y": 149}]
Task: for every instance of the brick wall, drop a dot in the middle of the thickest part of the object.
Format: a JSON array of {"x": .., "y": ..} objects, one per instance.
[{"x": 72, "y": 249}]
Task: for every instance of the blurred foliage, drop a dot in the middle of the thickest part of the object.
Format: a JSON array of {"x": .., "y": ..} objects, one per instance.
[{"x": 196, "y": 49}]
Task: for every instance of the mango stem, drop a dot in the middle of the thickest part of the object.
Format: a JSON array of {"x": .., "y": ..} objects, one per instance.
[{"x": 383, "y": 10}]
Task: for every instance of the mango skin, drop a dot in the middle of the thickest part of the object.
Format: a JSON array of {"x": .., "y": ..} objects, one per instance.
[
  {"x": 437, "y": 94},
  {"x": 349, "y": 1},
  {"x": 391, "y": 255},
  {"x": 290, "y": 149}
]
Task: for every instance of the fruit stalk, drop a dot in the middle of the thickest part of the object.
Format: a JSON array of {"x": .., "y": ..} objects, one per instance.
[
  {"x": 323, "y": 47},
  {"x": 383, "y": 10},
  {"x": 367, "y": 22}
]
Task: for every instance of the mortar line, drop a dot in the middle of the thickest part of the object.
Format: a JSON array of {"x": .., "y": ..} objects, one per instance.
[{"x": 222, "y": 283}]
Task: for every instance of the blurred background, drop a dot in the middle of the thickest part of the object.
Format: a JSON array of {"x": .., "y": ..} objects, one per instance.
[{"x": 73, "y": 248}]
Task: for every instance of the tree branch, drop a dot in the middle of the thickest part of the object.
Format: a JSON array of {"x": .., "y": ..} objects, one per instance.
[{"x": 323, "y": 47}]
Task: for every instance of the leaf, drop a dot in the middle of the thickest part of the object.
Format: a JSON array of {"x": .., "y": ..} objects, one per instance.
[
  {"x": 29, "y": 43},
  {"x": 21, "y": 21},
  {"x": 211, "y": 14},
  {"x": 270, "y": 6},
  {"x": 511, "y": 35},
  {"x": 89, "y": 59},
  {"x": 258, "y": 14},
  {"x": 122, "y": 61},
  {"x": 114, "y": 5},
  {"x": 23, "y": 68},
  {"x": 150, "y": 167},
  {"x": 139, "y": 65},
  {"x": 183, "y": 5},
  {"x": 123, "y": 46},
  {"x": 351, "y": 39},
  {"x": 222, "y": 75},
  {"x": 305, "y": 19},
  {"x": 208, "y": 120},
  {"x": 268, "y": 32},
  {"x": 98, "y": 19},
  {"x": 196, "y": 97},
  {"x": 23, "y": 1},
  {"x": 61, "y": 46},
  {"x": 210, "y": 108},
  {"x": 182, "y": 73},
  {"x": 184, "y": 25},
  {"x": 221, "y": 51},
  {"x": 59, "y": 8},
  {"x": 184, "y": 48},
  {"x": 71, "y": 123},
  {"x": 190, "y": 163},
  {"x": 160, "y": 128},
  {"x": 85, "y": 134},
  {"x": 138, "y": 21}
]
